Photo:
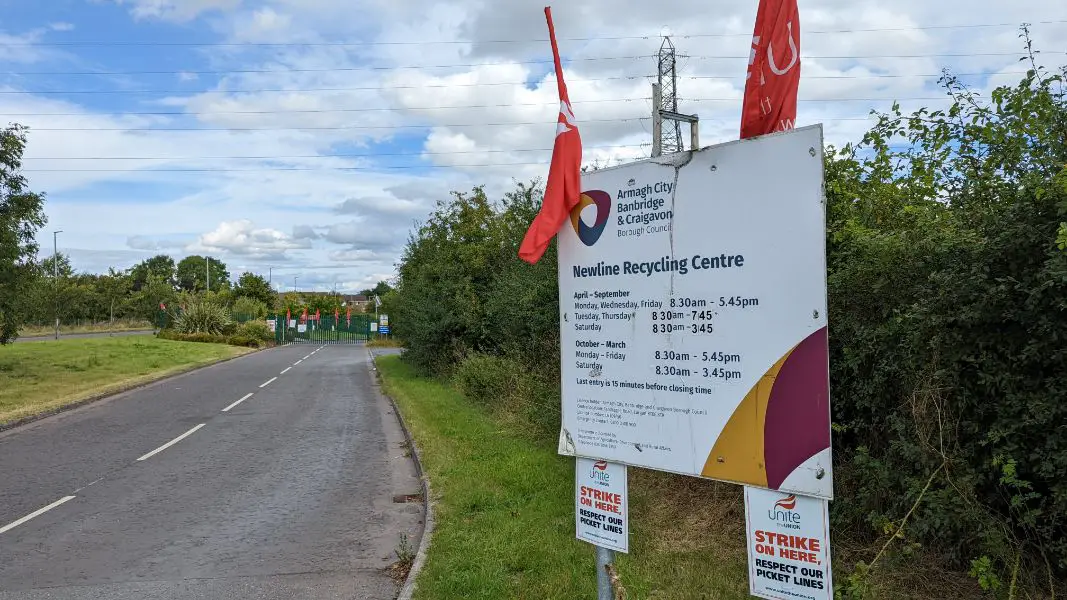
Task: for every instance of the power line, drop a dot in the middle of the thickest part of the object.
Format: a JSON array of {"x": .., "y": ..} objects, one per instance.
[
  {"x": 481, "y": 84},
  {"x": 331, "y": 155},
  {"x": 325, "y": 128},
  {"x": 517, "y": 41},
  {"x": 490, "y": 64},
  {"x": 403, "y": 108}
]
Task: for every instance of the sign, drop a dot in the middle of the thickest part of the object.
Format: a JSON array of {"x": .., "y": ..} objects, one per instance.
[
  {"x": 693, "y": 315},
  {"x": 373, "y": 327},
  {"x": 383, "y": 329},
  {"x": 788, "y": 546},
  {"x": 292, "y": 323},
  {"x": 600, "y": 504},
  {"x": 273, "y": 324},
  {"x": 301, "y": 328},
  {"x": 384, "y": 319}
]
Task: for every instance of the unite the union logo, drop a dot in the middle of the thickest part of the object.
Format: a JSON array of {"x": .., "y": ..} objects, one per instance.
[{"x": 589, "y": 234}]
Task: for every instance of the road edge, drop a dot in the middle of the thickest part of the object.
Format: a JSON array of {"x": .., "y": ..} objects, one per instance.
[
  {"x": 113, "y": 393},
  {"x": 408, "y": 588}
]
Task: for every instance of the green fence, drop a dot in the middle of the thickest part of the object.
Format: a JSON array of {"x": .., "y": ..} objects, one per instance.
[{"x": 325, "y": 330}]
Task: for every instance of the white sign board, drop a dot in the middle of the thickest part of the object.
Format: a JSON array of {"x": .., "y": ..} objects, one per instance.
[
  {"x": 600, "y": 504},
  {"x": 292, "y": 323},
  {"x": 693, "y": 315},
  {"x": 788, "y": 546},
  {"x": 383, "y": 319},
  {"x": 301, "y": 328},
  {"x": 272, "y": 324},
  {"x": 373, "y": 327}
]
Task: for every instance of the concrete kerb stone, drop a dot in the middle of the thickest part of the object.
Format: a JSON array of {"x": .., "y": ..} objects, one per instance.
[{"x": 427, "y": 503}]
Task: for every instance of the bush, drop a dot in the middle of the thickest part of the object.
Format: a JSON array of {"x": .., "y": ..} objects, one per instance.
[
  {"x": 203, "y": 317},
  {"x": 242, "y": 340},
  {"x": 249, "y": 308},
  {"x": 209, "y": 338},
  {"x": 505, "y": 385},
  {"x": 256, "y": 330}
]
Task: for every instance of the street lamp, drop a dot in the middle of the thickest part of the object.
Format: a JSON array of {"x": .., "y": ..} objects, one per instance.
[
  {"x": 294, "y": 282},
  {"x": 270, "y": 277},
  {"x": 55, "y": 277}
]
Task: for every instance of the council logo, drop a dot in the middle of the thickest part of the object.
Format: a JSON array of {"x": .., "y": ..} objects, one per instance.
[{"x": 589, "y": 234}]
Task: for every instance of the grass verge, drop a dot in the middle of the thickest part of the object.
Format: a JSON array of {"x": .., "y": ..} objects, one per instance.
[
  {"x": 102, "y": 327},
  {"x": 42, "y": 377},
  {"x": 505, "y": 513}
]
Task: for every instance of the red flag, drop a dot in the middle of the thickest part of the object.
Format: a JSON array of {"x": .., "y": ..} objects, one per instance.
[
  {"x": 316, "y": 314},
  {"x": 288, "y": 315},
  {"x": 162, "y": 306},
  {"x": 336, "y": 315},
  {"x": 773, "y": 70},
  {"x": 348, "y": 316},
  {"x": 304, "y": 317},
  {"x": 564, "y": 187}
]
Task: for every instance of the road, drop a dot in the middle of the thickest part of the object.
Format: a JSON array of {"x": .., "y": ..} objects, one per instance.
[
  {"x": 99, "y": 334},
  {"x": 183, "y": 490}
]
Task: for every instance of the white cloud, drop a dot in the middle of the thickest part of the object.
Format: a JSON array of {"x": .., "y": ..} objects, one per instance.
[
  {"x": 176, "y": 10},
  {"x": 242, "y": 238},
  {"x": 61, "y": 26}
]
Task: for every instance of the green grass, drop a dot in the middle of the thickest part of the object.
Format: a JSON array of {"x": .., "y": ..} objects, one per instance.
[
  {"x": 42, "y": 376},
  {"x": 101, "y": 327},
  {"x": 505, "y": 513}
]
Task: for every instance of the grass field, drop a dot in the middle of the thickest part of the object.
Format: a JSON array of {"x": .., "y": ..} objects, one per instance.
[
  {"x": 505, "y": 513},
  {"x": 40, "y": 377},
  {"x": 118, "y": 325}
]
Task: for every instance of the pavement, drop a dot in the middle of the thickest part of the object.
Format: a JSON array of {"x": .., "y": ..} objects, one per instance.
[
  {"x": 184, "y": 490},
  {"x": 100, "y": 334}
]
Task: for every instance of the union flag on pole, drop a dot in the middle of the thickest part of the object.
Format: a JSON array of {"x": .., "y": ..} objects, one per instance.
[
  {"x": 564, "y": 187},
  {"x": 773, "y": 77}
]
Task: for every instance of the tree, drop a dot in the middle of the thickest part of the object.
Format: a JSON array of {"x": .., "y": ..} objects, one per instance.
[
  {"x": 21, "y": 216},
  {"x": 253, "y": 286},
  {"x": 193, "y": 272},
  {"x": 379, "y": 290},
  {"x": 64, "y": 270},
  {"x": 160, "y": 265}
]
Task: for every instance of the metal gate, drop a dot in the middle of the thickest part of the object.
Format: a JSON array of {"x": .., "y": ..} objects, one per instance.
[{"x": 325, "y": 330}]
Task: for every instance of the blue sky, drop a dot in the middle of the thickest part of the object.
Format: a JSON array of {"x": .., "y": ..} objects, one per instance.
[{"x": 325, "y": 201}]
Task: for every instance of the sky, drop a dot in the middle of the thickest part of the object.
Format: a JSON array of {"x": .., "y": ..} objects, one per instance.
[{"x": 307, "y": 138}]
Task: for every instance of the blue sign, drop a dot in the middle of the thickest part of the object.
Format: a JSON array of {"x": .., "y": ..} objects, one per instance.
[{"x": 383, "y": 329}]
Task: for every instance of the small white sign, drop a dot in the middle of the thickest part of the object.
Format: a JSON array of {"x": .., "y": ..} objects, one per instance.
[
  {"x": 272, "y": 324},
  {"x": 373, "y": 327},
  {"x": 383, "y": 319},
  {"x": 292, "y": 323},
  {"x": 301, "y": 328},
  {"x": 601, "y": 505},
  {"x": 788, "y": 546}
]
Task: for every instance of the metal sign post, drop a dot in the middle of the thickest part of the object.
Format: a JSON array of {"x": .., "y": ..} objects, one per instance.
[{"x": 604, "y": 557}]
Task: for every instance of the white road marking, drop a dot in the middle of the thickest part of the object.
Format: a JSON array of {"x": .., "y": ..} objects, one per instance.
[
  {"x": 246, "y": 397},
  {"x": 172, "y": 442},
  {"x": 285, "y": 370},
  {"x": 306, "y": 357},
  {"x": 267, "y": 382},
  {"x": 36, "y": 513},
  {"x": 298, "y": 362}
]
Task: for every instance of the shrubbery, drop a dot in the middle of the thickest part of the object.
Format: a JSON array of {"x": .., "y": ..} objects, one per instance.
[
  {"x": 948, "y": 324},
  {"x": 204, "y": 317}
]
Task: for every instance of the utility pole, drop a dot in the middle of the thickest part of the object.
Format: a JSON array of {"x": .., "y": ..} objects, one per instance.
[
  {"x": 207, "y": 272},
  {"x": 295, "y": 277},
  {"x": 270, "y": 277},
  {"x": 55, "y": 277}
]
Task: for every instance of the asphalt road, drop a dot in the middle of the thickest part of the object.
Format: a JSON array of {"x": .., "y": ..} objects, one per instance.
[
  {"x": 288, "y": 494},
  {"x": 66, "y": 336}
]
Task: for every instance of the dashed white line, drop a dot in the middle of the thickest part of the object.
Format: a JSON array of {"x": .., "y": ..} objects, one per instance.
[
  {"x": 306, "y": 357},
  {"x": 267, "y": 382},
  {"x": 298, "y": 362},
  {"x": 36, "y": 513},
  {"x": 172, "y": 442},
  {"x": 245, "y": 397},
  {"x": 285, "y": 370}
]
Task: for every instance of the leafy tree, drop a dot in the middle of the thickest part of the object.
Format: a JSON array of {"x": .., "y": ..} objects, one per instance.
[
  {"x": 379, "y": 290},
  {"x": 246, "y": 306},
  {"x": 193, "y": 272},
  {"x": 57, "y": 263},
  {"x": 21, "y": 216},
  {"x": 161, "y": 266},
  {"x": 251, "y": 285}
]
